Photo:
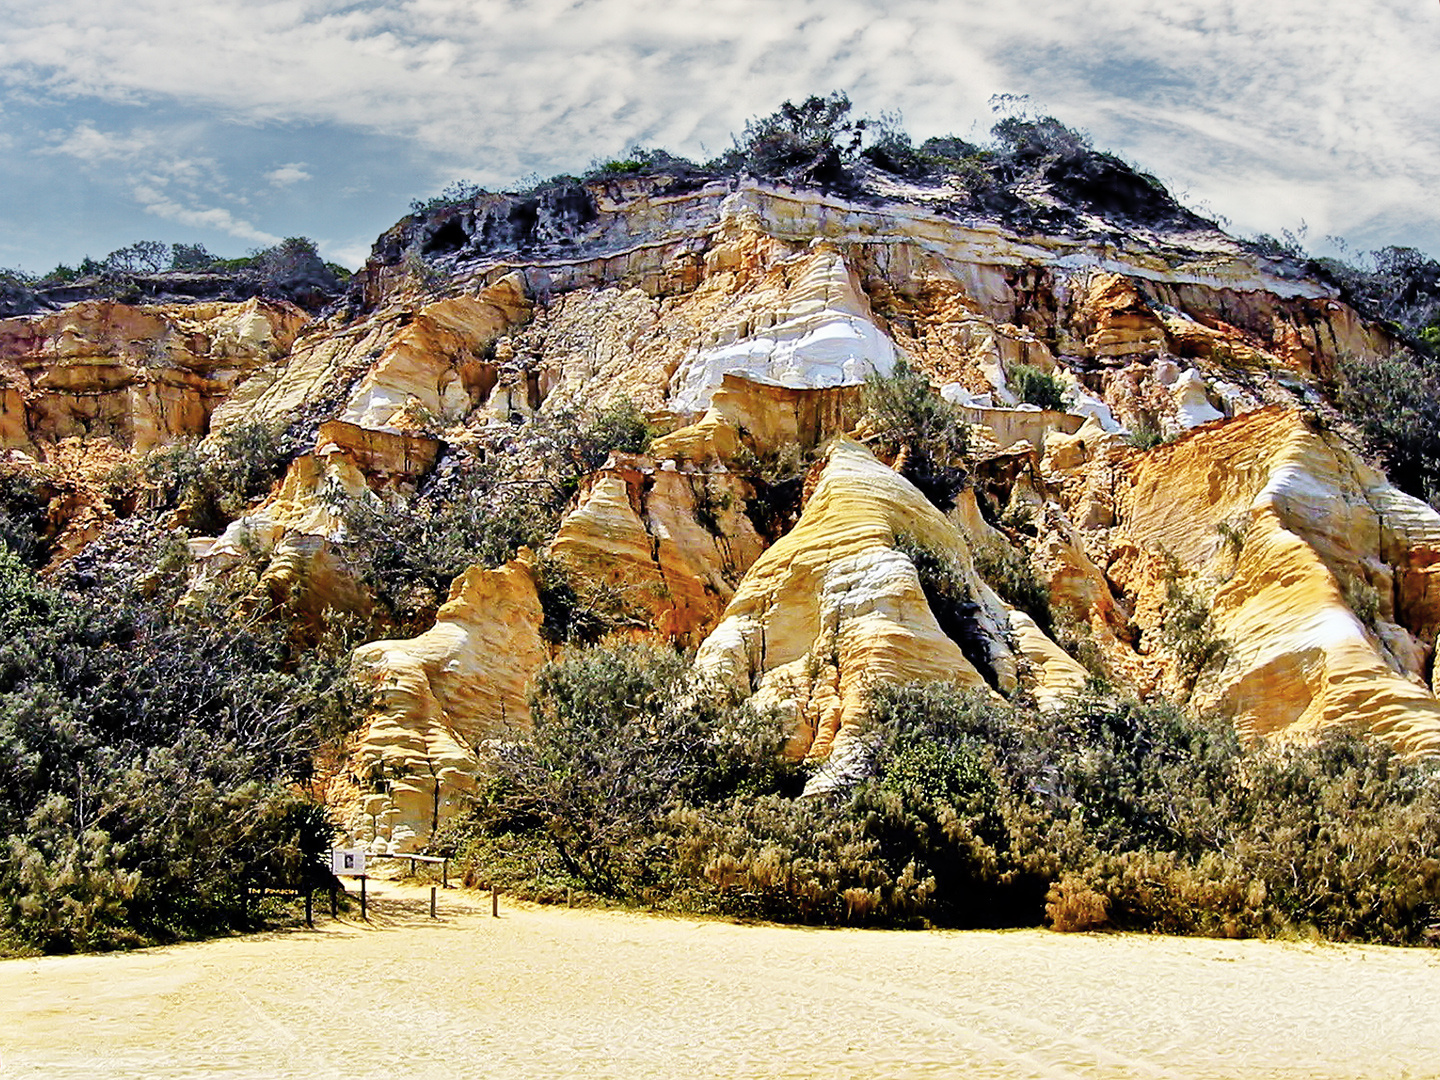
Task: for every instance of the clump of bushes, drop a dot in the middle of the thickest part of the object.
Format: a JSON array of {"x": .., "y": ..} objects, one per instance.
[
  {"x": 951, "y": 601},
  {"x": 290, "y": 270},
  {"x": 1398, "y": 285},
  {"x": 1015, "y": 579},
  {"x": 1145, "y": 435},
  {"x": 1187, "y": 628},
  {"x": 972, "y": 812},
  {"x": 1395, "y": 402},
  {"x": 579, "y": 610},
  {"x": 480, "y": 510},
  {"x": 154, "y": 757},
  {"x": 1040, "y": 388},
  {"x": 212, "y": 483},
  {"x": 24, "y": 512},
  {"x": 809, "y": 142},
  {"x": 925, "y": 433},
  {"x": 620, "y": 740}
]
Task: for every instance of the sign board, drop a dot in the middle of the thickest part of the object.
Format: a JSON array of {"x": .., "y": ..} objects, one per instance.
[{"x": 349, "y": 862}]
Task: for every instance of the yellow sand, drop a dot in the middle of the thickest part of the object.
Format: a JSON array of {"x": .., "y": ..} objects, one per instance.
[{"x": 544, "y": 992}]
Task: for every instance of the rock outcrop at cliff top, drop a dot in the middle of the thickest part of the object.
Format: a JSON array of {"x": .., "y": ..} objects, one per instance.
[{"x": 761, "y": 527}]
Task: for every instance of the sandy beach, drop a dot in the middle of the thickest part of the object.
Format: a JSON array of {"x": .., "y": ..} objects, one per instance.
[{"x": 551, "y": 992}]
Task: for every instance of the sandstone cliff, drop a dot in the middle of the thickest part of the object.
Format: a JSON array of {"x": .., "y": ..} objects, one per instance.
[{"x": 761, "y": 527}]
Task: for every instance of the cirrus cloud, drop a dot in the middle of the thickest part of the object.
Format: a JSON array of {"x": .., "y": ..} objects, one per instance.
[{"x": 1267, "y": 113}]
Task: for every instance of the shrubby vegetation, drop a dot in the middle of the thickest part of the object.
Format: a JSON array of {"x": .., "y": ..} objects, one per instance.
[
  {"x": 621, "y": 739},
  {"x": 155, "y": 756},
  {"x": 1398, "y": 285},
  {"x": 481, "y": 510},
  {"x": 290, "y": 270},
  {"x": 1187, "y": 627},
  {"x": 211, "y": 484},
  {"x": 1014, "y": 578},
  {"x": 973, "y": 812},
  {"x": 1395, "y": 402},
  {"x": 923, "y": 431},
  {"x": 820, "y": 141},
  {"x": 24, "y": 511},
  {"x": 1040, "y": 388}
]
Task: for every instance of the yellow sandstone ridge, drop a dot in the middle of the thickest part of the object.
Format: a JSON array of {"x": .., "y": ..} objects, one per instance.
[
  {"x": 833, "y": 607},
  {"x": 414, "y": 367},
  {"x": 672, "y": 545},
  {"x": 440, "y": 695},
  {"x": 1323, "y": 576}
]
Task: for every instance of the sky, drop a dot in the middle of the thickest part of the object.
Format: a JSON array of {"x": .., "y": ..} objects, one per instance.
[{"x": 236, "y": 124}]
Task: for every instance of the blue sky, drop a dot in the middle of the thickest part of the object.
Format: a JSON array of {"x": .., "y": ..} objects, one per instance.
[{"x": 235, "y": 124}]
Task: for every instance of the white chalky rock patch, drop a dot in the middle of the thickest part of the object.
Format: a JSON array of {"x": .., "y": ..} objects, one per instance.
[{"x": 826, "y": 338}]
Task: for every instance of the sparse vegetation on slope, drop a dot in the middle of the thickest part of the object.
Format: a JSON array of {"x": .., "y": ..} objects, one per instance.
[{"x": 482, "y": 509}]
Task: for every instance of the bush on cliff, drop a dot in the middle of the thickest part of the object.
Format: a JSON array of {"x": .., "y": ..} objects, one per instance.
[
  {"x": 23, "y": 515},
  {"x": 1040, "y": 388},
  {"x": 212, "y": 483},
  {"x": 1395, "y": 402},
  {"x": 921, "y": 430},
  {"x": 479, "y": 509},
  {"x": 811, "y": 142}
]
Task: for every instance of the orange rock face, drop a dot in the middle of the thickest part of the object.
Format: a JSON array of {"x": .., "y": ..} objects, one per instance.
[
  {"x": 139, "y": 376},
  {"x": 744, "y": 318}
]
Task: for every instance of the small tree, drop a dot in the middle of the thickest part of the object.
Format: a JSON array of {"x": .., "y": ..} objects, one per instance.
[
  {"x": 812, "y": 140},
  {"x": 925, "y": 432},
  {"x": 143, "y": 257},
  {"x": 190, "y": 257}
]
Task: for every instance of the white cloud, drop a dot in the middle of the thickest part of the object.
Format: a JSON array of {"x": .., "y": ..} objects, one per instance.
[
  {"x": 1271, "y": 112},
  {"x": 91, "y": 146},
  {"x": 289, "y": 174},
  {"x": 352, "y": 254},
  {"x": 162, "y": 205}
]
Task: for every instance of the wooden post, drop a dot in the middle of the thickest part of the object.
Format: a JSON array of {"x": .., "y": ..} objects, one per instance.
[
  {"x": 364, "y": 914},
  {"x": 445, "y": 874},
  {"x": 334, "y": 902},
  {"x": 310, "y": 908},
  {"x": 432, "y": 901},
  {"x": 494, "y": 902},
  {"x": 569, "y": 896}
]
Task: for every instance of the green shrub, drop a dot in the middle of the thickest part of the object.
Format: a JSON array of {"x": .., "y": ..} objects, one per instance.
[
  {"x": 1040, "y": 388},
  {"x": 480, "y": 511},
  {"x": 1015, "y": 579},
  {"x": 951, "y": 602},
  {"x": 213, "y": 483},
  {"x": 151, "y": 755},
  {"x": 925, "y": 432},
  {"x": 968, "y": 812},
  {"x": 1186, "y": 627},
  {"x": 578, "y": 610},
  {"x": 1146, "y": 436},
  {"x": 455, "y": 193},
  {"x": 1397, "y": 285},
  {"x": 620, "y": 738},
  {"x": 809, "y": 141},
  {"x": 24, "y": 511},
  {"x": 1395, "y": 402}
]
